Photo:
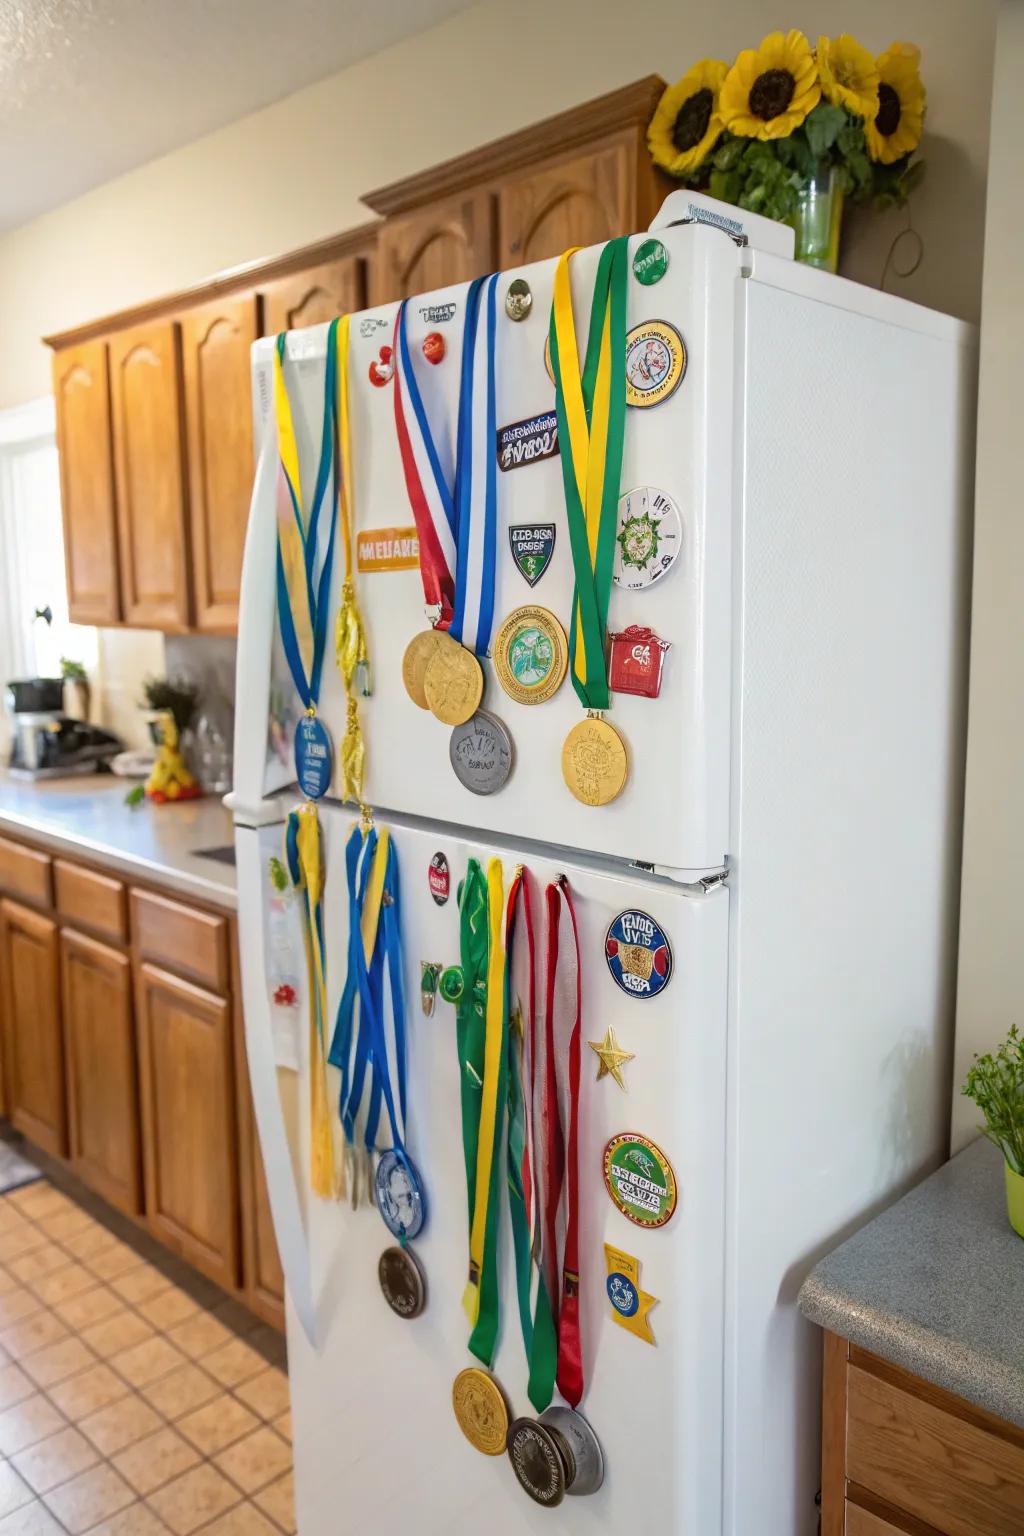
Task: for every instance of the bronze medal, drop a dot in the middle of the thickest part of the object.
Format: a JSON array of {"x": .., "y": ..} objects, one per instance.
[
  {"x": 594, "y": 764},
  {"x": 402, "y": 1282}
]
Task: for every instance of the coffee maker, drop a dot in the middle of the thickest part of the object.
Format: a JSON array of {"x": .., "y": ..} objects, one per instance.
[{"x": 46, "y": 743}]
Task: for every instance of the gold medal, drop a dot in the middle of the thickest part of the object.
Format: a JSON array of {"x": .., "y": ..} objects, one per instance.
[
  {"x": 418, "y": 654},
  {"x": 594, "y": 762},
  {"x": 481, "y": 1410},
  {"x": 531, "y": 654},
  {"x": 453, "y": 683}
]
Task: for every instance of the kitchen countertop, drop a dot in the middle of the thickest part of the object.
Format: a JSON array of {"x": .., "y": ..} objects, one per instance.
[
  {"x": 936, "y": 1284},
  {"x": 87, "y": 815}
]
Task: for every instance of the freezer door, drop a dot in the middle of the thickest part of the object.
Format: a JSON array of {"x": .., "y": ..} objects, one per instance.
[
  {"x": 673, "y": 811},
  {"x": 376, "y": 1443}
]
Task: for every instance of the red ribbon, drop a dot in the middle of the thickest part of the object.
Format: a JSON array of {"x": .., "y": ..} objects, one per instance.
[
  {"x": 437, "y": 579},
  {"x": 563, "y": 1151}
]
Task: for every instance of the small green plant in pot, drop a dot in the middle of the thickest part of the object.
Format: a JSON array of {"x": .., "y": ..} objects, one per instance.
[{"x": 996, "y": 1084}]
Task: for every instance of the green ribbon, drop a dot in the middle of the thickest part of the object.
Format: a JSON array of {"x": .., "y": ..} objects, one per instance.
[{"x": 594, "y": 577}]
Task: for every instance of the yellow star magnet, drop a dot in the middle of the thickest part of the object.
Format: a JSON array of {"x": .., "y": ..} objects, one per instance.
[
  {"x": 630, "y": 1305},
  {"x": 611, "y": 1057}
]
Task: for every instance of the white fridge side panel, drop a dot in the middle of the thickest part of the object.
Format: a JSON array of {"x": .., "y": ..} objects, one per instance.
[
  {"x": 674, "y": 809},
  {"x": 847, "y": 789},
  {"x": 372, "y": 1394}
]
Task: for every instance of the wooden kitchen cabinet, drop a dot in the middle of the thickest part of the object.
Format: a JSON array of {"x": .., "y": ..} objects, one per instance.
[
  {"x": 34, "y": 1051},
  {"x": 447, "y": 242},
  {"x": 314, "y": 294},
  {"x": 190, "y": 1147},
  {"x": 103, "y": 1100},
  {"x": 81, "y": 392},
  {"x": 583, "y": 201},
  {"x": 216, "y": 339},
  {"x": 901, "y": 1457},
  {"x": 145, "y": 371}
]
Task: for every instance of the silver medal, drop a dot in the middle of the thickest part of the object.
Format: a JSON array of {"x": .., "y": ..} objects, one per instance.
[
  {"x": 648, "y": 538},
  {"x": 588, "y": 1474},
  {"x": 481, "y": 753}
]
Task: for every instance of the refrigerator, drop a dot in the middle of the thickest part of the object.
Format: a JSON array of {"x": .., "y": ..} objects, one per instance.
[{"x": 790, "y": 827}]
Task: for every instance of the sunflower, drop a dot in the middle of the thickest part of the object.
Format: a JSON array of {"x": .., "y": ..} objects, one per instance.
[
  {"x": 849, "y": 75},
  {"x": 686, "y": 123},
  {"x": 894, "y": 129},
  {"x": 770, "y": 90}
]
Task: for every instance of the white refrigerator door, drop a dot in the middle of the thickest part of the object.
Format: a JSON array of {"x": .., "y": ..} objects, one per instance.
[
  {"x": 673, "y": 812},
  {"x": 376, "y": 1443}
]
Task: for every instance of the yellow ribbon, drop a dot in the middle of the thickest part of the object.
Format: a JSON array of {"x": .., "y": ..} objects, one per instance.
[
  {"x": 350, "y": 633},
  {"x": 289, "y": 515},
  {"x": 326, "y": 1171},
  {"x": 588, "y": 438},
  {"x": 493, "y": 1042}
]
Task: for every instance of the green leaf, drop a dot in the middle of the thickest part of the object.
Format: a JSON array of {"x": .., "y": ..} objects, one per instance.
[
  {"x": 135, "y": 796},
  {"x": 823, "y": 126},
  {"x": 728, "y": 153}
]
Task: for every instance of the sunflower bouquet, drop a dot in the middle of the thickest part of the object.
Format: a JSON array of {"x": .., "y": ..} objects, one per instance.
[{"x": 785, "y": 120}]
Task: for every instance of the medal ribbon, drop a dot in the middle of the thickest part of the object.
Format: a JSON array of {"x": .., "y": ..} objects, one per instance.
[
  {"x": 350, "y": 634},
  {"x": 539, "y": 1335},
  {"x": 481, "y": 1299},
  {"x": 564, "y": 1043},
  {"x": 305, "y": 866},
  {"x": 456, "y": 522},
  {"x": 302, "y": 592},
  {"x": 591, "y": 412}
]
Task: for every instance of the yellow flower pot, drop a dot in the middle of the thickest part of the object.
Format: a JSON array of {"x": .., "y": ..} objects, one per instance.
[{"x": 1015, "y": 1199}]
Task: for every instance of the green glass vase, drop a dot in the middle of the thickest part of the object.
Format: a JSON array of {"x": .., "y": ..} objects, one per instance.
[
  {"x": 818, "y": 220},
  {"x": 1015, "y": 1199}
]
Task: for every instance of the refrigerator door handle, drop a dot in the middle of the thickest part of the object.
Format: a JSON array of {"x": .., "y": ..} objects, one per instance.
[{"x": 285, "y": 1201}]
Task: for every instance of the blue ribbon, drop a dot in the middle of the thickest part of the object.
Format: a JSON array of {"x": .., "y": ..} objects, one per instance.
[{"x": 318, "y": 589}]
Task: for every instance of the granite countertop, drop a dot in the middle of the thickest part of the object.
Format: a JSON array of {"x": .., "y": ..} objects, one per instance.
[
  {"x": 936, "y": 1284},
  {"x": 87, "y": 815}
]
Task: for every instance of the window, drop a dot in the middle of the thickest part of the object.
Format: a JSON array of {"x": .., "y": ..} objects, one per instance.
[{"x": 32, "y": 552}]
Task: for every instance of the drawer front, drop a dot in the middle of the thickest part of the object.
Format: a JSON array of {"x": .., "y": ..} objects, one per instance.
[
  {"x": 92, "y": 900},
  {"x": 24, "y": 872},
  {"x": 960, "y": 1478},
  {"x": 184, "y": 939}
]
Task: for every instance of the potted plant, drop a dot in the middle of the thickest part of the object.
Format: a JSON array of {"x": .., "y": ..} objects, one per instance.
[
  {"x": 171, "y": 708},
  {"x": 996, "y": 1084},
  {"x": 77, "y": 693},
  {"x": 793, "y": 132}
]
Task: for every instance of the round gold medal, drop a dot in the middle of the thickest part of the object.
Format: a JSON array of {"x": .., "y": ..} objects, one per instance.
[
  {"x": 594, "y": 762},
  {"x": 453, "y": 683},
  {"x": 417, "y": 658},
  {"x": 531, "y": 654},
  {"x": 481, "y": 1410}
]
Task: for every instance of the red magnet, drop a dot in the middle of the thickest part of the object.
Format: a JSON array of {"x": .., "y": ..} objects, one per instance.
[
  {"x": 433, "y": 347},
  {"x": 636, "y": 660},
  {"x": 382, "y": 368}
]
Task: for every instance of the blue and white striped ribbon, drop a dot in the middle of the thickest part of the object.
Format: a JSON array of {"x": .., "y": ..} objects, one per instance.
[{"x": 465, "y": 520}]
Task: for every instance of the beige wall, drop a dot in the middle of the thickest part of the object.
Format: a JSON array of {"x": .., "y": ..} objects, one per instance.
[
  {"x": 294, "y": 172},
  {"x": 991, "y": 982}
]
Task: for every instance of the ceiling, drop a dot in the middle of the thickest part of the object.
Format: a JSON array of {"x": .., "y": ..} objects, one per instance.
[{"x": 92, "y": 88}]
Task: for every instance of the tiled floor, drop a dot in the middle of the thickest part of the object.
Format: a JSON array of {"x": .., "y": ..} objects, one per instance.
[{"x": 135, "y": 1399}]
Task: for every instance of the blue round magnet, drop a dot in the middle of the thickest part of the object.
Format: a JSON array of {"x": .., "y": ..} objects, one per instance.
[
  {"x": 399, "y": 1194},
  {"x": 314, "y": 757},
  {"x": 638, "y": 953},
  {"x": 622, "y": 1294}
]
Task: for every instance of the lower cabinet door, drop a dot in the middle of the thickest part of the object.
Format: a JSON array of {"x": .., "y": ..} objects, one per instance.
[
  {"x": 103, "y": 1098},
  {"x": 34, "y": 1044},
  {"x": 189, "y": 1142}
]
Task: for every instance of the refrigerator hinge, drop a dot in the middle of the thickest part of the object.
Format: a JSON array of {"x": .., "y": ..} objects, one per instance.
[
  {"x": 709, "y": 883},
  {"x": 705, "y": 884}
]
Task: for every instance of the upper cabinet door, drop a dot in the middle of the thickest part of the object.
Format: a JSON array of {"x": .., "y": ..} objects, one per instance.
[
  {"x": 145, "y": 371},
  {"x": 447, "y": 242},
  {"x": 583, "y": 201},
  {"x": 314, "y": 295},
  {"x": 218, "y": 409},
  {"x": 81, "y": 390}
]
